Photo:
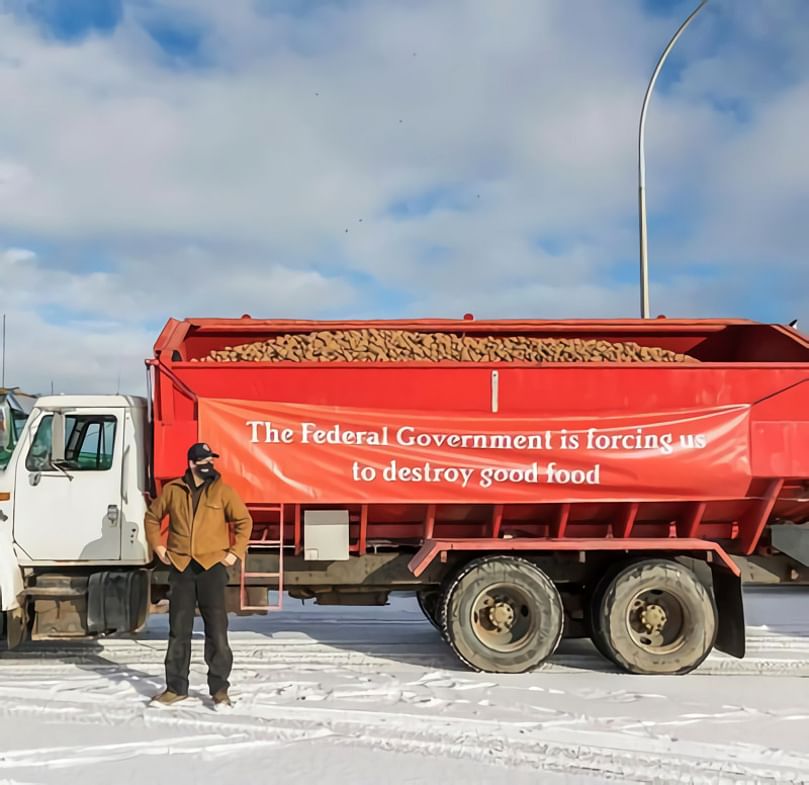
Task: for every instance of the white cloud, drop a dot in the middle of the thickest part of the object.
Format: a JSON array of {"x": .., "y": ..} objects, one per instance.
[
  {"x": 150, "y": 191},
  {"x": 83, "y": 330}
]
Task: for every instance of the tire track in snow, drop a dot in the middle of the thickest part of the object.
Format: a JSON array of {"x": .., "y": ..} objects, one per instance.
[
  {"x": 493, "y": 742},
  {"x": 17, "y": 782},
  {"x": 207, "y": 747},
  {"x": 774, "y": 657}
]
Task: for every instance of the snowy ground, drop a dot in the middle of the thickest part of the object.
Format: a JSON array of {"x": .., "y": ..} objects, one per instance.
[{"x": 338, "y": 696}]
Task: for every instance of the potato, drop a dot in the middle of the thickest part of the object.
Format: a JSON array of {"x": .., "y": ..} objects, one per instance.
[{"x": 379, "y": 345}]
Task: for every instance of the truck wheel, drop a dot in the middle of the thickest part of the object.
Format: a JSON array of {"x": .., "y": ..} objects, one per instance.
[
  {"x": 592, "y": 614},
  {"x": 656, "y": 617},
  {"x": 502, "y": 614},
  {"x": 592, "y": 608},
  {"x": 429, "y": 600}
]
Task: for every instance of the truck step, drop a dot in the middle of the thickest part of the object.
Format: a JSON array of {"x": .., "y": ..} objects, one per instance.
[
  {"x": 262, "y": 574},
  {"x": 269, "y": 577},
  {"x": 51, "y": 592}
]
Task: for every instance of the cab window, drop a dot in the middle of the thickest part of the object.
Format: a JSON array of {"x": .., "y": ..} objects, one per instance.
[
  {"x": 12, "y": 423},
  {"x": 89, "y": 443}
]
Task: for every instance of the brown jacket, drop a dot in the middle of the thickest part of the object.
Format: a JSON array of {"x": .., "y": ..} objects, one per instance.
[{"x": 204, "y": 537}]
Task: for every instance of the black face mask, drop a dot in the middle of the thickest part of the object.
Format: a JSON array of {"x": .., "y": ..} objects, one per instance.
[{"x": 205, "y": 470}]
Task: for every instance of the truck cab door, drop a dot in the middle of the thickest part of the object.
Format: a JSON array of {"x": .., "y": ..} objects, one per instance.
[{"x": 67, "y": 494}]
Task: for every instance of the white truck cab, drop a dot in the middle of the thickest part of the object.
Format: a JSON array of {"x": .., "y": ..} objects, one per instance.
[{"x": 73, "y": 492}]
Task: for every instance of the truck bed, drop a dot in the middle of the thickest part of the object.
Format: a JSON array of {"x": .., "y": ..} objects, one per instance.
[{"x": 760, "y": 371}]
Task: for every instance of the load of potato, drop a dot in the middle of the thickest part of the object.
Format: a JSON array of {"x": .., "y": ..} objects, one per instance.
[{"x": 391, "y": 346}]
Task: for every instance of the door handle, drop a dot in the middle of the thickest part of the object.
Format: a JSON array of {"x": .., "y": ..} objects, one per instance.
[{"x": 112, "y": 514}]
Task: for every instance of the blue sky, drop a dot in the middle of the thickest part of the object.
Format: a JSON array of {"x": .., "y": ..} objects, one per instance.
[{"x": 335, "y": 158}]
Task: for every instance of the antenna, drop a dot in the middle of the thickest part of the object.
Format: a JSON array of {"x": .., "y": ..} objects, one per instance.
[{"x": 3, "y": 382}]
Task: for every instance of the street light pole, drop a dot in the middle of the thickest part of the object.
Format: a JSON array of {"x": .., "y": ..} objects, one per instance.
[{"x": 644, "y": 246}]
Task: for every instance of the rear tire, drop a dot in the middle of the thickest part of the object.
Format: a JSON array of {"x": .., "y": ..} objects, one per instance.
[
  {"x": 655, "y": 617},
  {"x": 592, "y": 608},
  {"x": 502, "y": 614},
  {"x": 592, "y": 612}
]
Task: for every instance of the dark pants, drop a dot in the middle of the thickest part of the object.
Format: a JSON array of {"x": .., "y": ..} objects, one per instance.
[{"x": 206, "y": 588}]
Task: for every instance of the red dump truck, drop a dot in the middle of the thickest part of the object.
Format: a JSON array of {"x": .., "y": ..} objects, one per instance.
[{"x": 527, "y": 480}]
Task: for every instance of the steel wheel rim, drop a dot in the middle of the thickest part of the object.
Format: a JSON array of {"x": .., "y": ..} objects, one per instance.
[
  {"x": 503, "y": 618},
  {"x": 655, "y": 621}
]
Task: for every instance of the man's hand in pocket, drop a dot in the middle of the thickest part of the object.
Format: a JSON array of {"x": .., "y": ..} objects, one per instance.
[{"x": 162, "y": 554}]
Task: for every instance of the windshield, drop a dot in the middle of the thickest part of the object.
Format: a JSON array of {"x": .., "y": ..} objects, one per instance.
[{"x": 12, "y": 421}]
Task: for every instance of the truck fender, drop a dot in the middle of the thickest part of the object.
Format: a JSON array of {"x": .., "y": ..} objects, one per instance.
[
  {"x": 11, "y": 582},
  {"x": 727, "y": 591}
]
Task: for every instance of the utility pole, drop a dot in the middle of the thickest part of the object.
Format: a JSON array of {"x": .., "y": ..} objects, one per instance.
[{"x": 644, "y": 249}]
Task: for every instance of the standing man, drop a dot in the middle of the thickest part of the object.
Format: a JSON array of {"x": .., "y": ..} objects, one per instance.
[{"x": 200, "y": 506}]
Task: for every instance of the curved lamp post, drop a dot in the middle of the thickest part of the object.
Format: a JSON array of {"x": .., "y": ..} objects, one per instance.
[{"x": 644, "y": 250}]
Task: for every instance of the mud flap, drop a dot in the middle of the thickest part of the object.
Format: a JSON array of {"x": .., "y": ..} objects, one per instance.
[
  {"x": 11, "y": 581},
  {"x": 727, "y": 589},
  {"x": 16, "y": 627},
  {"x": 13, "y": 618}
]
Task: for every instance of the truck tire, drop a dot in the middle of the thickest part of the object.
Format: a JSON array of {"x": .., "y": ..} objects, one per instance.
[
  {"x": 592, "y": 613},
  {"x": 657, "y": 618},
  {"x": 592, "y": 607},
  {"x": 502, "y": 614},
  {"x": 429, "y": 600}
]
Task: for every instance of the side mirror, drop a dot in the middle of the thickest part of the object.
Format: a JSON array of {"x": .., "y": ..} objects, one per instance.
[
  {"x": 5, "y": 425},
  {"x": 58, "y": 437}
]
